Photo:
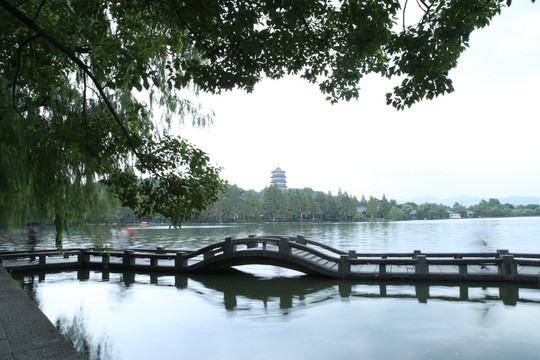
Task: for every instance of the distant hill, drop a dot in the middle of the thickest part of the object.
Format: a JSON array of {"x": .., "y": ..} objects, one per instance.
[{"x": 473, "y": 200}]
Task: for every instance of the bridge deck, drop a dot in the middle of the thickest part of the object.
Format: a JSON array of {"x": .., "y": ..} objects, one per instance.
[{"x": 295, "y": 253}]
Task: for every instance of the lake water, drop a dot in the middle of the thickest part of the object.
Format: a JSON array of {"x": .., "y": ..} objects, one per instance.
[{"x": 272, "y": 313}]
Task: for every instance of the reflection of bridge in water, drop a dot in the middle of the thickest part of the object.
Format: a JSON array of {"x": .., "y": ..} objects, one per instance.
[
  {"x": 296, "y": 253},
  {"x": 297, "y": 292}
]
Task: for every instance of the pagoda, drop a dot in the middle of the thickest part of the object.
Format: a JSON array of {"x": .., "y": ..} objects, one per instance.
[{"x": 279, "y": 178}]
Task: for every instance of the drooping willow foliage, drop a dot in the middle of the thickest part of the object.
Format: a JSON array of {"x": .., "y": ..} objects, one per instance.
[{"x": 72, "y": 128}]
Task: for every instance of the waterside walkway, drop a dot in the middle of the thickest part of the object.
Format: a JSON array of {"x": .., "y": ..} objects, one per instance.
[{"x": 25, "y": 332}]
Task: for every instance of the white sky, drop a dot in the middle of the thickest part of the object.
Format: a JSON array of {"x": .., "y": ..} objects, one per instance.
[{"x": 482, "y": 140}]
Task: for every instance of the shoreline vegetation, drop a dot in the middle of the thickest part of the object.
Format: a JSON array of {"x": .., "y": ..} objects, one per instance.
[{"x": 306, "y": 205}]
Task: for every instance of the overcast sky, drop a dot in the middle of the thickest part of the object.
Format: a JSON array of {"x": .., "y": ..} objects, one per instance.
[{"x": 481, "y": 140}]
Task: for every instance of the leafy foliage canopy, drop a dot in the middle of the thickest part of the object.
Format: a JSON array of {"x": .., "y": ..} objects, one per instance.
[{"x": 82, "y": 83}]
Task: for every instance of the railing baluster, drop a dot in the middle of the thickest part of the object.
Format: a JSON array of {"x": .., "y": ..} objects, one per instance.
[
  {"x": 229, "y": 247},
  {"x": 83, "y": 258},
  {"x": 422, "y": 267},
  {"x": 508, "y": 267},
  {"x": 128, "y": 260},
  {"x": 344, "y": 266},
  {"x": 180, "y": 262},
  {"x": 300, "y": 239},
  {"x": 284, "y": 247}
]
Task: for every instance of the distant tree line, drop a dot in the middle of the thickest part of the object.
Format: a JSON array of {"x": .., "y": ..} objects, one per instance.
[
  {"x": 306, "y": 205},
  {"x": 273, "y": 204}
]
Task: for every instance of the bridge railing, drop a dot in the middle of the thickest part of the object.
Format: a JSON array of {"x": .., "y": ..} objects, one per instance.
[
  {"x": 40, "y": 256},
  {"x": 307, "y": 253}
]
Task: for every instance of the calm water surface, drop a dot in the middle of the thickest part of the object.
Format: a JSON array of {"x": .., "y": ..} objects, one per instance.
[{"x": 268, "y": 313}]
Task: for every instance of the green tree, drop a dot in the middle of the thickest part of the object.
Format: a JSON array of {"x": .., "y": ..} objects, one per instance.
[
  {"x": 363, "y": 201},
  {"x": 383, "y": 207},
  {"x": 346, "y": 206},
  {"x": 432, "y": 211},
  {"x": 251, "y": 206},
  {"x": 396, "y": 214},
  {"x": 372, "y": 208},
  {"x": 308, "y": 205},
  {"x": 230, "y": 204},
  {"x": 296, "y": 212},
  {"x": 73, "y": 74},
  {"x": 274, "y": 203},
  {"x": 493, "y": 202},
  {"x": 407, "y": 211},
  {"x": 332, "y": 214},
  {"x": 460, "y": 209}
]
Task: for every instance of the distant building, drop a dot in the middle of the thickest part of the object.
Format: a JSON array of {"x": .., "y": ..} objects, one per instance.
[
  {"x": 278, "y": 177},
  {"x": 453, "y": 214}
]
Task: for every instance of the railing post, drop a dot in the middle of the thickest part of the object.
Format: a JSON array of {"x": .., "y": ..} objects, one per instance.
[
  {"x": 42, "y": 259},
  {"x": 252, "y": 243},
  {"x": 180, "y": 262},
  {"x": 500, "y": 253},
  {"x": 160, "y": 250},
  {"x": 83, "y": 258},
  {"x": 382, "y": 267},
  {"x": 344, "y": 266},
  {"x": 300, "y": 239},
  {"x": 462, "y": 267},
  {"x": 284, "y": 247},
  {"x": 353, "y": 254},
  {"x": 106, "y": 259},
  {"x": 229, "y": 247},
  {"x": 416, "y": 253},
  {"x": 128, "y": 259},
  {"x": 421, "y": 265},
  {"x": 508, "y": 267}
]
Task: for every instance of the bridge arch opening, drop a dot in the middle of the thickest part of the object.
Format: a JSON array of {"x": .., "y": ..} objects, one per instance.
[{"x": 268, "y": 271}]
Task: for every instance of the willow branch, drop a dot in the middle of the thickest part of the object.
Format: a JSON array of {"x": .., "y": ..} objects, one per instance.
[
  {"x": 53, "y": 41},
  {"x": 18, "y": 68}
]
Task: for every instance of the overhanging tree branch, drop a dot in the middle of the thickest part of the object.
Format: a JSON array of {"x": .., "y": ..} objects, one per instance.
[{"x": 71, "y": 55}]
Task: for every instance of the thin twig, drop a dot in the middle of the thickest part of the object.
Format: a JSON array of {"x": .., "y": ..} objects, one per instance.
[
  {"x": 38, "y": 10},
  {"x": 404, "y": 9}
]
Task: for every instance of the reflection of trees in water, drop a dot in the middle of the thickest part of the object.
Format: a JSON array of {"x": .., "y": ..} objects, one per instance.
[
  {"x": 75, "y": 331},
  {"x": 29, "y": 283}
]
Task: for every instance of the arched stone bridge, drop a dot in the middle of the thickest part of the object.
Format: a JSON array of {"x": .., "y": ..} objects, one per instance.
[{"x": 296, "y": 253}]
